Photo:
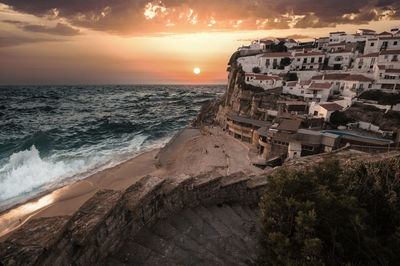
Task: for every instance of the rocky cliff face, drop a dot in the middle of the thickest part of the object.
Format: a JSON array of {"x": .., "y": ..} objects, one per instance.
[{"x": 239, "y": 99}]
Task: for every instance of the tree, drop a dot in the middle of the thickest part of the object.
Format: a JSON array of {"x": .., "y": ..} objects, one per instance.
[
  {"x": 332, "y": 215},
  {"x": 280, "y": 47},
  {"x": 339, "y": 118},
  {"x": 256, "y": 70},
  {"x": 285, "y": 61}
]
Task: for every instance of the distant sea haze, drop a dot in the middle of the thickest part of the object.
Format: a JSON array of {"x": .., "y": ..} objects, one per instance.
[{"x": 54, "y": 135}]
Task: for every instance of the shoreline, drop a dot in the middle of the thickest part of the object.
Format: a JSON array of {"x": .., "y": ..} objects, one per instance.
[
  {"x": 201, "y": 152},
  {"x": 75, "y": 194}
]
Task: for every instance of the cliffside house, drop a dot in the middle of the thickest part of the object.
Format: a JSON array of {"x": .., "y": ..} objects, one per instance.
[
  {"x": 324, "y": 110},
  {"x": 264, "y": 81}
]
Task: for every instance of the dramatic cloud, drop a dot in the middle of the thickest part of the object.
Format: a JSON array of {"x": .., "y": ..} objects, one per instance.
[
  {"x": 9, "y": 41},
  {"x": 59, "y": 29},
  {"x": 132, "y": 17}
]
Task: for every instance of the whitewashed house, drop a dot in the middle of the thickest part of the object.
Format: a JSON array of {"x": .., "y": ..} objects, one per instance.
[
  {"x": 318, "y": 92},
  {"x": 324, "y": 110},
  {"x": 335, "y": 79},
  {"x": 308, "y": 60},
  {"x": 297, "y": 88},
  {"x": 263, "y": 81},
  {"x": 354, "y": 84},
  {"x": 341, "y": 59},
  {"x": 366, "y": 63},
  {"x": 270, "y": 61}
]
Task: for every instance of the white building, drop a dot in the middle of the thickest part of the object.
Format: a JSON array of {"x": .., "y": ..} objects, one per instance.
[
  {"x": 354, "y": 84},
  {"x": 308, "y": 60},
  {"x": 270, "y": 61},
  {"x": 335, "y": 79},
  {"x": 297, "y": 88},
  {"x": 375, "y": 45},
  {"x": 341, "y": 59},
  {"x": 324, "y": 110},
  {"x": 366, "y": 63},
  {"x": 387, "y": 78},
  {"x": 263, "y": 81},
  {"x": 318, "y": 92}
]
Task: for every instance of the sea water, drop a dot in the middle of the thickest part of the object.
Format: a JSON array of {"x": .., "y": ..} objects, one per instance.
[{"x": 54, "y": 135}]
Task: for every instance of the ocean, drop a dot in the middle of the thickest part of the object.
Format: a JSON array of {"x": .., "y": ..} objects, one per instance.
[{"x": 51, "y": 136}]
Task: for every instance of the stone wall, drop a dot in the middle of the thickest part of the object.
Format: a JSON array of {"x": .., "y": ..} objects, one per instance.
[{"x": 99, "y": 227}]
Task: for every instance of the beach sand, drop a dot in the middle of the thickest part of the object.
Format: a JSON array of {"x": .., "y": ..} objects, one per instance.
[{"x": 189, "y": 152}]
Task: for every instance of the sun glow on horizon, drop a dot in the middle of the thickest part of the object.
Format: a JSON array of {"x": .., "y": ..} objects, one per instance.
[{"x": 196, "y": 70}]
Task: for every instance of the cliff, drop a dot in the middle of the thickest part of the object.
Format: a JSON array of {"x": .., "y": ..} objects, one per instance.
[{"x": 239, "y": 99}]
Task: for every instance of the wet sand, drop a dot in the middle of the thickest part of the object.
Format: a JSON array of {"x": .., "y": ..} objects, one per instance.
[{"x": 188, "y": 153}]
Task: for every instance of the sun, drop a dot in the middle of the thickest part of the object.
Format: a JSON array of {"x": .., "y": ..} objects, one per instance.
[{"x": 196, "y": 70}]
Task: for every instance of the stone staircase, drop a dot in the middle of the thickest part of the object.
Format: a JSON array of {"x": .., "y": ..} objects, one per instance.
[{"x": 203, "y": 235}]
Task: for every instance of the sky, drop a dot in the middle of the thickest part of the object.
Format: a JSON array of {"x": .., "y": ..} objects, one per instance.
[{"x": 160, "y": 42}]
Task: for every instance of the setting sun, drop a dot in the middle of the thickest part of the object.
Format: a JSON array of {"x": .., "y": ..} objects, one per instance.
[{"x": 196, "y": 70}]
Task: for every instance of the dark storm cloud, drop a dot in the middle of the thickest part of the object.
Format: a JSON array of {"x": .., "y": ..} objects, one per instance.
[
  {"x": 127, "y": 16},
  {"x": 59, "y": 29}
]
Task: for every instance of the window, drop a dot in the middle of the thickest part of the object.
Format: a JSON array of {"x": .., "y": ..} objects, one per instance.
[
  {"x": 302, "y": 92},
  {"x": 320, "y": 60},
  {"x": 312, "y": 60},
  {"x": 394, "y": 58},
  {"x": 298, "y": 59},
  {"x": 373, "y": 60},
  {"x": 354, "y": 86},
  {"x": 395, "y": 43},
  {"x": 361, "y": 86},
  {"x": 372, "y": 44},
  {"x": 305, "y": 60},
  {"x": 267, "y": 62},
  {"x": 311, "y": 67},
  {"x": 315, "y": 113},
  {"x": 386, "y": 57},
  {"x": 369, "y": 85}
]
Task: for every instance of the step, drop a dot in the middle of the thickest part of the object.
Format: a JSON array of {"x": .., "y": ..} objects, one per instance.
[
  {"x": 168, "y": 232},
  {"x": 226, "y": 215},
  {"x": 205, "y": 214},
  {"x": 166, "y": 248},
  {"x": 230, "y": 243},
  {"x": 133, "y": 253},
  {"x": 202, "y": 237}
]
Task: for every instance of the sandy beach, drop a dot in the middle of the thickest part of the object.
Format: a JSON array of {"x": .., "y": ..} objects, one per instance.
[{"x": 190, "y": 152}]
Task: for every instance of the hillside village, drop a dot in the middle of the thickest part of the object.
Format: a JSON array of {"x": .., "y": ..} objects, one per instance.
[{"x": 288, "y": 99}]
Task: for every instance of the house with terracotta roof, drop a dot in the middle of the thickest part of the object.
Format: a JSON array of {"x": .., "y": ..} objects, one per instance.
[
  {"x": 366, "y": 32},
  {"x": 334, "y": 78},
  {"x": 354, "y": 84},
  {"x": 339, "y": 60},
  {"x": 270, "y": 61},
  {"x": 387, "y": 78},
  {"x": 296, "y": 88},
  {"x": 263, "y": 81},
  {"x": 366, "y": 62},
  {"x": 318, "y": 92},
  {"x": 324, "y": 110},
  {"x": 288, "y": 42},
  {"x": 379, "y": 43},
  {"x": 308, "y": 60}
]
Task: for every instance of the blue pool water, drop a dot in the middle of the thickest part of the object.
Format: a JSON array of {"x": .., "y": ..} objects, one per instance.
[{"x": 340, "y": 133}]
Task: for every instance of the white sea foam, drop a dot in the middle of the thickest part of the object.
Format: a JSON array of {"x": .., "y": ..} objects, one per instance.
[
  {"x": 27, "y": 171},
  {"x": 27, "y": 174}
]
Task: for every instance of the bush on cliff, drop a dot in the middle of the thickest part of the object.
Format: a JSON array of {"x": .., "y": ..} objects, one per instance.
[{"x": 332, "y": 215}]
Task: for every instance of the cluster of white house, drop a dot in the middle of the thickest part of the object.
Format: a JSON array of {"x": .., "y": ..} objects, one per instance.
[{"x": 341, "y": 65}]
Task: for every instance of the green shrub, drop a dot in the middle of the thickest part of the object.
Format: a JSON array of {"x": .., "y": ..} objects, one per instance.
[{"x": 332, "y": 215}]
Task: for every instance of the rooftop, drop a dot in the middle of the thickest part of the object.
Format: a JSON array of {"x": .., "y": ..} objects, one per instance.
[
  {"x": 320, "y": 85},
  {"x": 289, "y": 125},
  {"x": 278, "y": 54},
  {"x": 338, "y": 76},
  {"x": 331, "y": 106},
  {"x": 371, "y": 55},
  {"x": 357, "y": 77},
  {"x": 246, "y": 120}
]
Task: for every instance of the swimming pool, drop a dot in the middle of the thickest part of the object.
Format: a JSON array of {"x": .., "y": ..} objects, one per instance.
[{"x": 340, "y": 133}]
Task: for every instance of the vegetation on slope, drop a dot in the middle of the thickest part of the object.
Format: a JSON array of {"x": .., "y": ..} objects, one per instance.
[
  {"x": 381, "y": 97},
  {"x": 332, "y": 215}
]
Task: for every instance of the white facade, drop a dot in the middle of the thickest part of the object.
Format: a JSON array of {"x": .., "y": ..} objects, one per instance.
[
  {"x": 263, "y": 81},
  {"x": 308, "y": 61},
  {"x": 324, "y": 110},
  {"x": 340, "y": 60},
  {"x": 375, "y": 45},
  {"x": 270, "y": 61},
  {"x": 365, "y": 63}
]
